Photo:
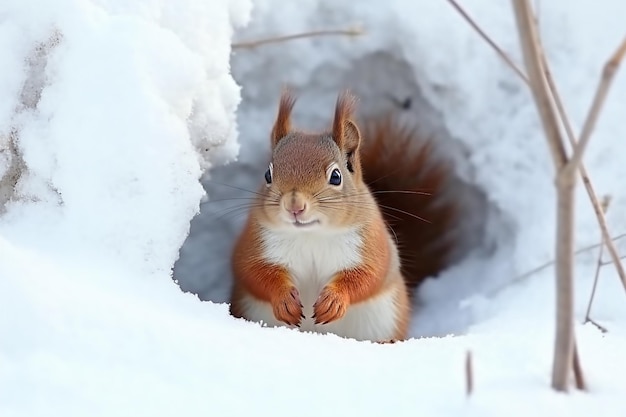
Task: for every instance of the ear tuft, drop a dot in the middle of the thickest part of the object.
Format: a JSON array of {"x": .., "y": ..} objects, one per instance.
[
  {"x": 282, "y": 126},
  {"x": 346, "y": 103}
]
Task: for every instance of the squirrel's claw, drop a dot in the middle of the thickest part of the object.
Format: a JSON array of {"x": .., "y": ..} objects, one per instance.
[
  {"x": 288, "y": 308},
  {"x": 331, "y": 305}
]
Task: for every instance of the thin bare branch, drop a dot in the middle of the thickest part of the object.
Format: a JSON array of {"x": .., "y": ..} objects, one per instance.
[
  {"x": 611, "y": 261},
  {"x": 606, "y": 81},
  {"x": 595, "y": 282},
  {"x": 548, "y": 264},
  {"x": 564, "y": 340},
  {"x": 605, "y": 206},
  {"x": 490, "y": 41},
  {"x": 352, "y": 31},
  {"x": 598, "y": 325}
]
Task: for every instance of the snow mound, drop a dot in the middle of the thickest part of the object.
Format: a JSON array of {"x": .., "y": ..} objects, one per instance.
[{"x": 112, "y": 112}]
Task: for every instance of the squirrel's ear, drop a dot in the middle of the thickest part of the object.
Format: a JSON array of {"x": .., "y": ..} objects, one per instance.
[
  {"x": 282, "y": 125},
  {"x": 345, "y": 132},
  {"x": 351, "y": 136},
  {"x": 351, "y": 142}
]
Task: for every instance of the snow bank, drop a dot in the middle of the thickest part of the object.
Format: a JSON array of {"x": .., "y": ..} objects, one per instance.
[
  {"x": 111, "y": 110},
  {"x": 109, "y": 113}
]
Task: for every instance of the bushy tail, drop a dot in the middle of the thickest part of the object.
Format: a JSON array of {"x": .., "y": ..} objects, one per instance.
[{"x": 411, "y": 183}]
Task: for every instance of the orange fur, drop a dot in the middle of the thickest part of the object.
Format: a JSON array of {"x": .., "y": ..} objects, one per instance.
[{"x": 266, "y": 282}]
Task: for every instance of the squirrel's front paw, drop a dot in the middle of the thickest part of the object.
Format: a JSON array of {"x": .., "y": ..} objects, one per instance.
[
  {"x": 331, "y": 305},
  {"x": 287, "y": 306}
]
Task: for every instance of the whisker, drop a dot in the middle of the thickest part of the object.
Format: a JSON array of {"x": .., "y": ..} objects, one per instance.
[
  {"x": 388, "y": 174},
  {"x": 231, "y": 209},
  {"x": 221, "y": 200},
  {"x": 401, "y": 192},
  {"x": 269, "y": 190},
  {"x": 405, "y": 212},
  {"x": 393, "y": 232},
  {"x": 226, "y": 213}
]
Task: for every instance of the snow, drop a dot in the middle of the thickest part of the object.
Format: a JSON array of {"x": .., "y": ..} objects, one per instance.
[{"x": 113, "y": 112}]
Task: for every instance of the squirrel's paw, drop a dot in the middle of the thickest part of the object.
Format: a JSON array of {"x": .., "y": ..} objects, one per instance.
[
  {"x": 287, "y": 307},
  {"x": 331, "y": 305}
]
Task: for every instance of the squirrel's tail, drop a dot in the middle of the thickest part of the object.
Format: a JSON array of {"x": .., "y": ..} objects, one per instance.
[{"x": 411, "y": 185}]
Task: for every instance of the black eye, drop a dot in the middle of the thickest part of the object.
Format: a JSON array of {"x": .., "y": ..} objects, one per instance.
[
  {"x": 335, "y": 177},
  {"x": 268, "y": 175}
]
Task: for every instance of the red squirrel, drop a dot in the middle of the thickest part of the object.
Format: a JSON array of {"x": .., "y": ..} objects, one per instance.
[{"x": 319, "y": 250}]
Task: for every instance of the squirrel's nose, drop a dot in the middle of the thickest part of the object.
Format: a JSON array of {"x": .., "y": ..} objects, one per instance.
[
  {"x": 295, "y": 206},
  {"x": 297, "y": 209}
]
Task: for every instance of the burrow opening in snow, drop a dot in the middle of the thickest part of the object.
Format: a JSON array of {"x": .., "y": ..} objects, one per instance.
[{"x": 384, "y": 83}]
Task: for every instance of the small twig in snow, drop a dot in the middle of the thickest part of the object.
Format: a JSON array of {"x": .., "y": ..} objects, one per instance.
[
  {"x": 353, "y": 31},
  {"x": 605, "y": 206},
  {"x": 598, "y": 325},
  {"x": 469, "y": 374}
]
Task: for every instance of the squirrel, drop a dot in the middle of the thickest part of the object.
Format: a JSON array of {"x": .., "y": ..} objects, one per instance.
[{"x": 346, "y": 226}]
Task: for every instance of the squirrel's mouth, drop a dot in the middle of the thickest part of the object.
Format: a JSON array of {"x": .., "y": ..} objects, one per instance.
[{"x": 303, "y": 224}]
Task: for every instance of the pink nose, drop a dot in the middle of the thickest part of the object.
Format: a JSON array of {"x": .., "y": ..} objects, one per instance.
[{"x": 297, "y": 210}]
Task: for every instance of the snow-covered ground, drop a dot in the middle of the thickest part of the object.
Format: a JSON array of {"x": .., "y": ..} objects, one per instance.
[{"x": 110, "y": 111}]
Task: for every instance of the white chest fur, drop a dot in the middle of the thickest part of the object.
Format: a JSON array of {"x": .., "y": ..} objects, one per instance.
[{"x": 313, "y": 257}]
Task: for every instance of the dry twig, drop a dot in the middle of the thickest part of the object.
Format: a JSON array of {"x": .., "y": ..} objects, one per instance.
[
  {"x": 603, "y": 263},
  {"x": 486, "y": 37},
  {"x": 566, "y": 180},
  {"x": 469, "y": 374},
  {"x": 353, "y": 31},
  {"x": 598, "y": 325},
  {"x": 605, "y": 206}
]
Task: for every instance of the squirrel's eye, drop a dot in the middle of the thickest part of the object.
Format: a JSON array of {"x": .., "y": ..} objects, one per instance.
[
  {"x": 335, "y": 177},
  {"x": 268, "y": 176}
]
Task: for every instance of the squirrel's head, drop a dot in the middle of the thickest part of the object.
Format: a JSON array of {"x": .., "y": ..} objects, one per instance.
[{"x": 314, "y": 180}]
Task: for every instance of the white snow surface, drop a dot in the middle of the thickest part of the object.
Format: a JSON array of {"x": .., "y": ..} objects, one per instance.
[{"x": 110, "y": 112}]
